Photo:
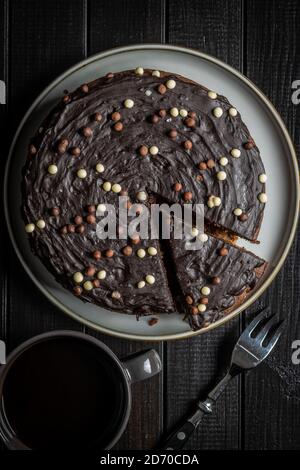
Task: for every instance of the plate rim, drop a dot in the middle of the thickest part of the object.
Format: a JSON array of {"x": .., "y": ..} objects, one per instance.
[{"x": 295, "y": 173}]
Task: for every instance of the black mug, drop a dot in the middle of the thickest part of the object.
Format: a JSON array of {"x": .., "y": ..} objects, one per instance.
[{"x": 66, "y": 389}]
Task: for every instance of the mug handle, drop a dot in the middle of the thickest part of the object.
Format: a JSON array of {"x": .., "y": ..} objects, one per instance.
[{"x": 142, "y": 365}]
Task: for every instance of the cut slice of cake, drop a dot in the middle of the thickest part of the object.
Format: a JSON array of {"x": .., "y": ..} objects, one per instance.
[
  {"x": 214, "y": 279},
  {"x": 126, "y": 275}
]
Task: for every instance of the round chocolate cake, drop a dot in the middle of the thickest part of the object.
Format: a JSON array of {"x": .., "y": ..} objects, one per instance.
[{"x": 148, "y": 136}]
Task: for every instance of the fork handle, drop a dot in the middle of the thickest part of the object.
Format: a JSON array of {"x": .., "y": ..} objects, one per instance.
[{"x": 181, "y": 435}]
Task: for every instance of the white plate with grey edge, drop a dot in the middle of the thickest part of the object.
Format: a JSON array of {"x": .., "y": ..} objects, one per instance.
[{"x": 277, "y": 152}]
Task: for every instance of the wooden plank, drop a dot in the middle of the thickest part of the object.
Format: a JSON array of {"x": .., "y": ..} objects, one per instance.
[
  {"x": 116, "y": 23},
  {"x": 212, "y": 27},
  {"x": 46, "y": 38},
  {"x": 3, "y": 114},
  {"x": 272, "y": 393},
  {"x": 196, "y": 364},
  {"x": 3, "y": 130},
  {"x": 113, "y": 24}
]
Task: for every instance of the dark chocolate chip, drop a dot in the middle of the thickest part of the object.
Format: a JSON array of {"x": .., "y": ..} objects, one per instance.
[
  {"x": 77, "y": 290},
  {"x": 97, "y": 254},
  {"x": 187, "y": 196},
  {"x": 55, "y": 211},
  {"x": 109, "y": 253},
  {"x": 216, "y": 280},
  {"x": 116, "y": 116}
]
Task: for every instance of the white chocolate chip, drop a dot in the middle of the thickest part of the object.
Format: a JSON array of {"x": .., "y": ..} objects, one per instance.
[
  {"x": 152, "y": 251},
  {"x": 77, "y": 277},
  {"x": 217, "y": 112},
  {"x": 262, "y": 178},
  {"x": 201, "y": 308},
  {"x": 139, "y": 71},
  {"x": 106, "y": 186},
  {"x": 99, "y": 168},
  {"x": 141, "y": 253},
  {"x": 156, "y": 73},
  {"x": 52, "y": 169},
  {"x": 128, "y": 103},
  {"x": 116, "y": 295},
  {"x": 101, "y": 208},
  {"x": 235, "y": 153},
  {"x": 237, "y": 211},
  {"x": 232, "y": 112},
  {"x": 41, "y": 224},
  {"x": 153, "y": 150},
  {"x": 262, "y": 197},
  {"x": 171, "y": 84},
  {"x": 81, "y": 173},
  {"x": 101, "y": 274},
  {"x": 141, "y": 196},
  {"x": 214, "y": 201},
  {"x": 223, "y": 161},
  {"x": 150, "y": 279},
  {"x": 183, "y": 113},
  {"x": 210, "y": 202},
  {"x": 116, "y": 188},
  {"x": 212, "y": 94},
  {"x": 205, "y": 290},
  {"x": 174, "y": 112},
  {"x": 88, "y": 285},
  {"x": 29, "y": 228},
  {"x": 194, "y": 232},
  {"x": 203, "y": 237},
  {"x": 148, "y": 92},
  {"x": 221, "y": 175},
  {"x": 141, "y": 284}
]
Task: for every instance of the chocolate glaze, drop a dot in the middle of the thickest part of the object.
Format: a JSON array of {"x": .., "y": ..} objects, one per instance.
[
  {"x": 67, "y": 254},
  {"x": 238, "y": 273},
  {"x": 212, "y": 138}
]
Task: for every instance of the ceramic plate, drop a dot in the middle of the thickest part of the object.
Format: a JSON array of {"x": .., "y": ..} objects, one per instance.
[{"x": 266, "y": 127}]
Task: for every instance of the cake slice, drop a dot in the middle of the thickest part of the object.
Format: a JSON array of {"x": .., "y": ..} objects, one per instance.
[
  {"x": 128, "y": 278},
  {"x": 126, "y": 275},
  {"x": 214, "y": 279}
]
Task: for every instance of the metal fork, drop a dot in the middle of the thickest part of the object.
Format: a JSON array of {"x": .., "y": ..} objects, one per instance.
[{"x": 252, "y": 347}]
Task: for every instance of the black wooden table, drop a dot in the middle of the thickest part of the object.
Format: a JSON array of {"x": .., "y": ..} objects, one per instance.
[{"x": 39, "y": 40}]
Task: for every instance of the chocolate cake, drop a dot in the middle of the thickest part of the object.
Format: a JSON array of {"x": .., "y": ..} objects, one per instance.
[
  {"x": 215, "y": 278},
  {"x": 148, "y": 136}
]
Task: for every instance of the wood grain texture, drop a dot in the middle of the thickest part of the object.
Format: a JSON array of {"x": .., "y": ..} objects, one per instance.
[
  {"x": 193, "y": 366},
  {"x": 214, "y": 27},
  {"x": 45, "y": 39},
  {"x": 113, "y": 24},
  {"x": 119, "y": 23},
  {"x": 3, "y": 129},
  {"x": 272, "y": 393}
]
